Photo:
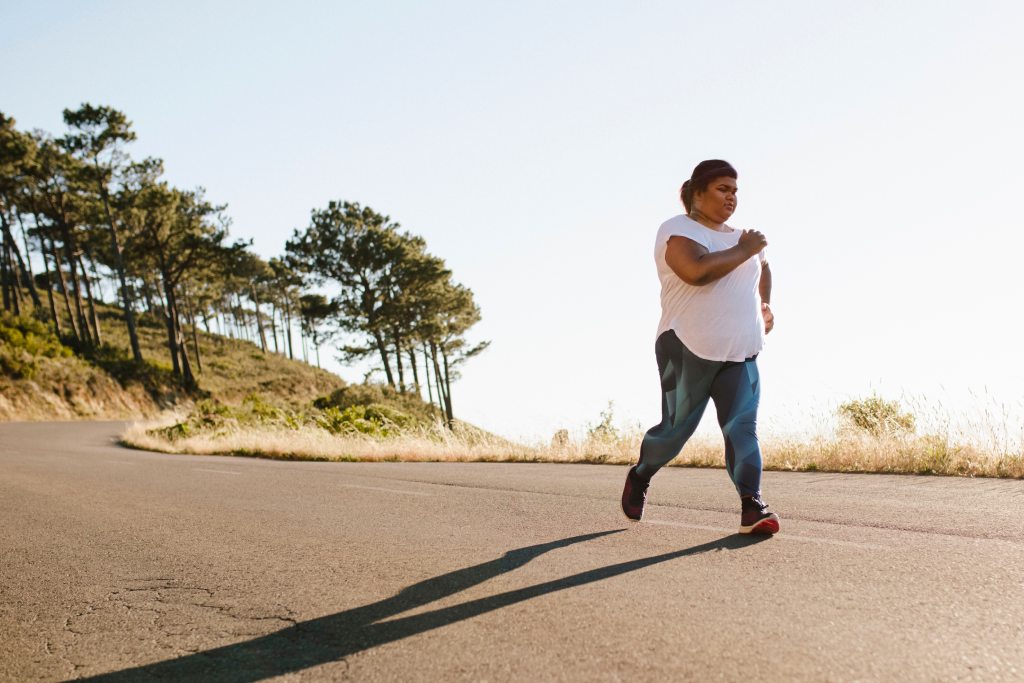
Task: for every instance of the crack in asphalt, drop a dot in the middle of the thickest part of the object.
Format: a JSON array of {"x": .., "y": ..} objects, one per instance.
[{"x": 163, "y": 604}]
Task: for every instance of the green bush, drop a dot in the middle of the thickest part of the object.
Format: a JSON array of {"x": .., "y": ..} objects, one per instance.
[
  {"x": 384, "y": 415},
  {"x": 32, "y": 336},
  {"x": 23, "y": 340},
  {"x": 373, "y": 410},
  {"x": 356, "y": 395},
  {"x": 877, "y": 417},
  {"x": 261, "y": 411},
  {"x": 374, "y": 420},
  {"x": 207, "y": 416},
  {"x": 16, "y": 363},
  {"x": 406, "y": 408}
]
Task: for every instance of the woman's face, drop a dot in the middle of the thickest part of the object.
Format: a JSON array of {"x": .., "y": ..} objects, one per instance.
[{"x": 718, "y": 201}]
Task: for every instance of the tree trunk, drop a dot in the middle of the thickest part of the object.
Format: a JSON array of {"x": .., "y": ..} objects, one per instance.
[
  {"x": 5, "y": 272},
  {"x": 175, "y": 339},
  {"x": 273, "y": 326},
  {"x": 96, "y": 277},
  {"x": 288, "y": 327},
  {"x": 126, "y": 294},
  {"x": 442, "y": 395},
  {"x": 188, "y": 378},
  {"x": 70, "y": 252},
  {"x": 14, "y": 276},
  {"x": 49, "y": 284},
  {"x": 59, "y": 267},
  {"x": 426, "y": 373},
  {"x": 172, "y": 333},
  {"x": 240, "y": 320},
  {"x": 146, "y": 294},
  {"x": 399, "y": 364},
  {"x": 259, "y": 318},
  {"x": 93, "y": 319},
  {"x": 195, "y": 334},
  {"x": 5, "y": 276},
  {"x": 447, "y": 392},
  {"x": 384, "y": 358},
  {"x": 25, "y": 269},
  {"x": 415, "y": 372}
]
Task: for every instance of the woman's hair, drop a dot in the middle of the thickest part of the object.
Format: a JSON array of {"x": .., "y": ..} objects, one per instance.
[{"x": 702, "y": 175}]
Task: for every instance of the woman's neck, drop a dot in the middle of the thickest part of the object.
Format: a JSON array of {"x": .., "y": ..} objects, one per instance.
[{"x": 702, "y": 218}]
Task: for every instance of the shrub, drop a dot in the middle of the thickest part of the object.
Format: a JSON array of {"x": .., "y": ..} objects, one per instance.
[
  {"x": 16, "y": 363},
  {"x": 405, "y": 406},
  {"x": 23, "y": 340},
  {"x": 356, "y": 395},
  {"x": 374, "y": 420},
  {"x": 206, "y": 416},
  {"x": 604, "y": 431},
  {"x": 32, "y": 336},
  {"x": 260, "y": 410},
  {"x": 877, "y": 417}
]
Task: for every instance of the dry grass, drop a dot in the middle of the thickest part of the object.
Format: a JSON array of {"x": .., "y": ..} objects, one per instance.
[
  {"x": 843, "y": 452},
  {"x": 312, "y": 443},
  {"x": 894, "y": 455}
]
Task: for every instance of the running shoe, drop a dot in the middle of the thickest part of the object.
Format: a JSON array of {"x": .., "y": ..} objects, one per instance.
[
  {"x": 634, "y": 495},
  {"x": 756, "y": 519}
]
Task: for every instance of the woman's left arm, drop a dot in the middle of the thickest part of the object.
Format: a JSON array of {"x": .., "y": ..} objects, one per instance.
[{"x": 765, "y": 289}]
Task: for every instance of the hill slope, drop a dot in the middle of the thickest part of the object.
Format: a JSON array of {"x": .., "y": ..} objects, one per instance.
[{"x": 42, "y": 377}]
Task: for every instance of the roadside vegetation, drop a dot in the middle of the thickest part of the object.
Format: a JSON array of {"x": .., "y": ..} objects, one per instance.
[{"x": 872, "y": 436}]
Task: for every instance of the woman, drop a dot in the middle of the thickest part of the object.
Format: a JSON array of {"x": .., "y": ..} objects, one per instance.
[{"x": 715, "y": 287}]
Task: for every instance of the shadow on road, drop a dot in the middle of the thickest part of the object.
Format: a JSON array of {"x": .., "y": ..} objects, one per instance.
[{"x": 337, "y": 636}]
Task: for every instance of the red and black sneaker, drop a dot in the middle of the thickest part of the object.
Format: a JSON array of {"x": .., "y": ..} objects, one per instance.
[
  {"x": 634, "y": 495},
  {"x": 756, "y": 519}
]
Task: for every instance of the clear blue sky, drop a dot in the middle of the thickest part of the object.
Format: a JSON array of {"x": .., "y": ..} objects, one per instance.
[{"x": 537, "y": 146}]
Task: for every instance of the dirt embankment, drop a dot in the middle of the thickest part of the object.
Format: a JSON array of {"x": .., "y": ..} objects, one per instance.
[{"x": 70, "y": 389}]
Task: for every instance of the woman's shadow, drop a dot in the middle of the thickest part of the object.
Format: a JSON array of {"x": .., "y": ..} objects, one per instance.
[{"x": 336, "y": 636}]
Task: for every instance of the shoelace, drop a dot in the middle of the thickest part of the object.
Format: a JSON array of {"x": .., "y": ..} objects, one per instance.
[{"x": 758, "y": 503}]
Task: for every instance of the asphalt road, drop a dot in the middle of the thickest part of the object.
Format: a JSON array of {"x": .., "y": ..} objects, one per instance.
[{"x": 119, "y": 565}]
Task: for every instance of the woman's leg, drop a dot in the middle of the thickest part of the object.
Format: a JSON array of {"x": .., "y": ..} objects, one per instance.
[
  {"x": 736, "y": 392},
  {"x": 686, "y": 382}
]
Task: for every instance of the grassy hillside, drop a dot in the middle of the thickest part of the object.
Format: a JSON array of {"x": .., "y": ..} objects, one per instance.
[
  {"x": 231, "y": 368},
  {"x": 42, "y": 377}
]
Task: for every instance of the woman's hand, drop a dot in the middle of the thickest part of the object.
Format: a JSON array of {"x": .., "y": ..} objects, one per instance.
[
  {"x": 752, "y": 241},
  {"x": 769, "y": 317}
]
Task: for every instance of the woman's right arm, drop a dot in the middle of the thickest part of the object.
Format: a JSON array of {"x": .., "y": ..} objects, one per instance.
[{"x": 697, "y": 266}]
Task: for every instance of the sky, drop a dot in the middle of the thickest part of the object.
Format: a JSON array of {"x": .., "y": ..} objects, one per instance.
[{"x": 537, "y": 147}]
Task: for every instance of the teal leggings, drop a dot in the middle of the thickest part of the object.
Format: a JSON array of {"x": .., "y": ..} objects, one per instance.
[{"x": 687, "y": 383}]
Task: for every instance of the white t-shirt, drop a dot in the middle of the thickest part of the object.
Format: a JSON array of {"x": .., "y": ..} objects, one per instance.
[{"x": 719, "y": 321}]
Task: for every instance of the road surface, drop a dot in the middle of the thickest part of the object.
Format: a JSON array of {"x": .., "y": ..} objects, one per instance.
[{"x": 121, "y": 565}]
